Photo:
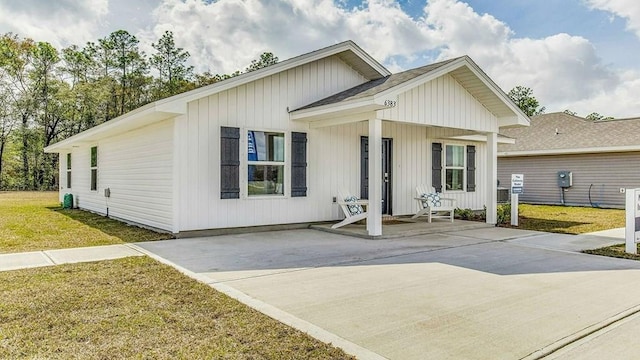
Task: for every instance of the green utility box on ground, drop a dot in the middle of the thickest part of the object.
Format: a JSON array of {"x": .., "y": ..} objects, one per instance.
[{"x": 67, "y": 201}]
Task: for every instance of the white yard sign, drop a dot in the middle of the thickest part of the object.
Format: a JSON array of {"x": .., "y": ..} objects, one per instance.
[
  {"x": 632, "y": 233},
  {"x": 517, "y": 187}
]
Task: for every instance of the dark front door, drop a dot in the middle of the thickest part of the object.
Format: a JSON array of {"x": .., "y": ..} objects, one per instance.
[{"x": 386, "y": 172}]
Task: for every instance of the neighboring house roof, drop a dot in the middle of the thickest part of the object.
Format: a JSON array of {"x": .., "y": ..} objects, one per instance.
[
  {"x": 175, "y": 105},
  {"x": 560, "y": 133},
  {"x": 374, "y": 95}
]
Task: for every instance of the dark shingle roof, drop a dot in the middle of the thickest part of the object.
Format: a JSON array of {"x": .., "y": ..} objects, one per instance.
[
  {"x": 564, "y": 132},
  {"x": 377, "y": 86}
]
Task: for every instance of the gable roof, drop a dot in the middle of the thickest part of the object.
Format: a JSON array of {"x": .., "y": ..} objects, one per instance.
[
  {"x": 176, "y": 105},
  {"x": 372, "y": 95},
  {"x": 560, "y": 133},
  {"x": 377, "y": 86}
]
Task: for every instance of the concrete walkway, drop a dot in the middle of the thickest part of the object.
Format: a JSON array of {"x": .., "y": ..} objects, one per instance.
[
  {"x": 474, "y": 294},
  {"x": 65, "y": 256}
]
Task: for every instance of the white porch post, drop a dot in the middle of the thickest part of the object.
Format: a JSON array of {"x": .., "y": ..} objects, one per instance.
[
  {"x": 374, "y": 218},
  {"x": 492, "y": 178}
]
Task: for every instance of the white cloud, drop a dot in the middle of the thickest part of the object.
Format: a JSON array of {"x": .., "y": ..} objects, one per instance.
[
  {"x": 626, "y": 9},
  {"x": 561, "y": 69},
  {"x": 61, "y": 22},
  {"x": 619, "y": 102},
  {"x": 227, "y": 34},
  {"x": 565, "y": 71}
]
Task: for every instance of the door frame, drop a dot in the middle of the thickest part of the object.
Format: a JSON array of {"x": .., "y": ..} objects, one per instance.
[{"x": 387, "y": 168}]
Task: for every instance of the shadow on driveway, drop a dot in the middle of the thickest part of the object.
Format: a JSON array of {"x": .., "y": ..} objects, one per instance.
[{"x": 494, "y": 250}]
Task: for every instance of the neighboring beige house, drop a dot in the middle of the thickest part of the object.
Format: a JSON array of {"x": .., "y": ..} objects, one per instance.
[
  {"x": 602, "y": 156},
  {"x": 275, "y": 145}
]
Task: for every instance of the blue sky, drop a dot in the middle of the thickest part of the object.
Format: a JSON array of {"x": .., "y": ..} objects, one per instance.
[{"x": 575, "y": 54}]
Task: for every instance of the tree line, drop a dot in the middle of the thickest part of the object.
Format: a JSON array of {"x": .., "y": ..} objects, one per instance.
[
  {"x": 49, "y": 94},
  {"x": 523, "y": 97}
]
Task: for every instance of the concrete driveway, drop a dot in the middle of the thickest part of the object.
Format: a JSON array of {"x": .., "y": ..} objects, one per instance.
[{"x": 480, "y": 294}]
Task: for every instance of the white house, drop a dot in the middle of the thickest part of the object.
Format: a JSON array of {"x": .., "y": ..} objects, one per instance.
[{"x": 275, "y": 145}]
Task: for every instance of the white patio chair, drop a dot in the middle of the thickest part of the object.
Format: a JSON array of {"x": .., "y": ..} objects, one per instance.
[
  {"x": 433, "y": 205},
  {"x": 352, "y": 207}
]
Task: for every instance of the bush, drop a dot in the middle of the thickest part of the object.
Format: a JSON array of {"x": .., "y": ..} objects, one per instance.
[
  {"x": 504, "y": 214},
  {"x": 465, "y": 214}
]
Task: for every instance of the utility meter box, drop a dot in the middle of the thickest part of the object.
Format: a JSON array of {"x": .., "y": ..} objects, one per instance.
[{"x": 565, "y": 179}]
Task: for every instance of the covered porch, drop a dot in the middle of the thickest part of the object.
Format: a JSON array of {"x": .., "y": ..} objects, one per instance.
[{"x": 450, "y": 104}]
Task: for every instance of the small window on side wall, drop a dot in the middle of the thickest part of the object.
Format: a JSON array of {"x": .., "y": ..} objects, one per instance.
[
  {"x": 69, "y": 171},
  {"x": 266, "y": 163},
  {"x": 94, "y": 168}
]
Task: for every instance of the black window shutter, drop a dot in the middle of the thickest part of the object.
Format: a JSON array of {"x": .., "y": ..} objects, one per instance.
[
  {"x": 364, "y": 167},
  {"x": 471, "y": 168},
  {"x": 229, "y": 163},
  {"x": 436, "y": 166},
  {"x": 298, "y": 164}
]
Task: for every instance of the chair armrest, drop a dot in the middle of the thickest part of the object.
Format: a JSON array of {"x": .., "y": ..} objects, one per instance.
[
  {"x": 358, "y": 202},
  {"x": 446, "y": 199}
]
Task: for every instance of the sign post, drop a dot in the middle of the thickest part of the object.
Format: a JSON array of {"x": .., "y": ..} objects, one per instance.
[
  {"x": 517, "y": 187},
  {"x": 632, "y": 230}
]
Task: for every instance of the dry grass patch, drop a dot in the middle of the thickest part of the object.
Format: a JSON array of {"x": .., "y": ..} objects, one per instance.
[
  {"x": 136, "y": 308},
  {"x": 617, "y": 251},
  {"x": 34, "y": 221},
  {"x": 568, "y": 219}
]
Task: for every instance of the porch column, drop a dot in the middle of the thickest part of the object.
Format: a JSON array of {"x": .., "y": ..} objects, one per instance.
[
  {"x": 374, "y": 217},
  {"x": 492, "y": 178}
]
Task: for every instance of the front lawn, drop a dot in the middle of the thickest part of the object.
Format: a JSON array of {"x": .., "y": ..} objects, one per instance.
[
  {"x": 569, "y": 219},
  {"x": 136, "y": 308},
  {"x": 576, "y": 220},
  {"x": 32, "y": 221}
]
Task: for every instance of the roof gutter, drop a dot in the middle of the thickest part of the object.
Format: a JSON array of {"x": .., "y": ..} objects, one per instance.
[
  {"x": 138, "y": 118},
  {"x": 608, "y": 149}
]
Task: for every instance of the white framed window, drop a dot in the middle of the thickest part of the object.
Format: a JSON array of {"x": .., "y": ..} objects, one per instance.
[
  {"x": 94, "y": 168},
  {"x": 69, "y": 171},
  {"x": 454, "y": 167},
  {"x": 266, "y": 163}
]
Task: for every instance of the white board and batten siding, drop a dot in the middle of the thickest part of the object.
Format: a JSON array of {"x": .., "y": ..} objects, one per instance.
[
  {"x": 443, "y": 105},
  {"x": 333, "y": 153},
  {"x": 442, "y": 102},
  {"x": 136, "y": 166},
  {"x": 258, "y": 105}
]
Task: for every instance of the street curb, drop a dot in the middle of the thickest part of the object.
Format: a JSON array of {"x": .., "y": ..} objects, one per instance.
[{"x": 582, "y": 334}]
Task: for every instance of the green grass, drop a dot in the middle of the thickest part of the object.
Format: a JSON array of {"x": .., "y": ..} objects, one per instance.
[
  {"x": 617, "y": 251},
  {"x": 568, "y": 220},
  {"x": 576, "y": 220},
  {"x": 32, "y": 221},
  {"x": 136, "y": 308}
]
